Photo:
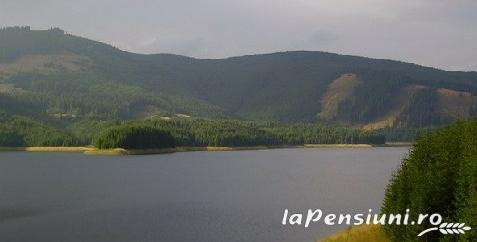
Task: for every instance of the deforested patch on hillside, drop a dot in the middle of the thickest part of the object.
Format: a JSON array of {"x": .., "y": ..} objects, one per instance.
[
  {"x": 338, "y": 91},
  {"x": 402, "y": 101},
  {"x": 455, "y": 104},
  {"x": 10, "y": 89},
  {"x": 46, "y": 63}
]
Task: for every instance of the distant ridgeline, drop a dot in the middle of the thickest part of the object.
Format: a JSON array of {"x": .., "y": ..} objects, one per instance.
[
  {"x": 439, "y": 176},
  {"x": 61, "y": 80}
]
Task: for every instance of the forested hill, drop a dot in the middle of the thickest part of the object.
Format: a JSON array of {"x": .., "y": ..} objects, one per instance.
[{"x": 52, "y": 75}]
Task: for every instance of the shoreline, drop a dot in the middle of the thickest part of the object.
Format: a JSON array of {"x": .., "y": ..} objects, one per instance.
[
  {"x": 121, "y": 151},
  {"x": 48, "y": 149}
]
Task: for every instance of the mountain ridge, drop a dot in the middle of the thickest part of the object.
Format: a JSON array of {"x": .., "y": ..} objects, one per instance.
[{"x": 85, "y": 78}]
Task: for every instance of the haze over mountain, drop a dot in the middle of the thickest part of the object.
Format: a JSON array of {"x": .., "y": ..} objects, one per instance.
[{"x": 49, "y": 74}]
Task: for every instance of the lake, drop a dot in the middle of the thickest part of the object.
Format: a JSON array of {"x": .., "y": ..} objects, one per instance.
[{"x": 191, "y": 196}]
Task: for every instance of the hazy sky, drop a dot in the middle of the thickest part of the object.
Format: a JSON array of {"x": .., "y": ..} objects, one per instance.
[{"x": 439, "y": 33}]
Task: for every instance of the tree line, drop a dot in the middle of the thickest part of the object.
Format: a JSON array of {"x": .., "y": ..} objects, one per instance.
[
  {"x": 438, "y": 176},
  {"x": 43, "y": 131},
  {"x": 17, "y": 131},
  {"x": 226, "y": 132},
  {"x": 134, "y": 137}
]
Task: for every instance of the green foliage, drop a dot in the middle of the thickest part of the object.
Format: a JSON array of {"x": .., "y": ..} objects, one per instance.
[
  {"x": 439, "y": 176},
  {"x": 86, "y": 130},
  {"x": 11, "y": 139},
  {"x": 25, "y": 104},
  {"x": 226, "y": 132},
  {"x": 404, "y": 134},
  {"x": 18, "y": 41},
  {"x": 16, "y": 131},
  {"x": 373, "y": 98},
  {"x": 422, "y": 113},
  {"x": 134, "y": 137},
  {"x": 82, "y": 95}
]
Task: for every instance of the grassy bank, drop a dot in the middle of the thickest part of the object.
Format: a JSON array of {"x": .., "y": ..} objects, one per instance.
[
  {"x": 399, "y": 144},
  {"x": 365, "y": 233},
  {"x": 338, "y": 146},
  {"x": 120, "y": 151},
  {"x": 47, "y": 149}
]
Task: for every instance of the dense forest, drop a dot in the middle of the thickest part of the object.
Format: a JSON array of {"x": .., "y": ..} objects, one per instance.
[
  {"x": 439, "y": 176},
  {"x": 207, "y": 132},
  {"x": 49, "y": 73},
  {"x": 18, "y": 131},
  {"x": 203, "y": 132},
  {"x": 21, "y": 131},
  {"x": 134, "y": 137}
]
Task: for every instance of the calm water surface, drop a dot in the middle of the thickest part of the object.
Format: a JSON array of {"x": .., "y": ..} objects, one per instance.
[{"x": 195, "y": 196}]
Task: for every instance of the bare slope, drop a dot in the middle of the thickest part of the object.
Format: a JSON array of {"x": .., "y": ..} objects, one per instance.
[{"x": 337, "y": 92}]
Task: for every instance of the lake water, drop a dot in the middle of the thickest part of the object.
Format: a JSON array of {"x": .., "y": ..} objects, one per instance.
[{"x": 194, "y": 196}]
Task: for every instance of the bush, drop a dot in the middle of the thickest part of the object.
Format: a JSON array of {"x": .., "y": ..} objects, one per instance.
[
  {"x": 439, "y": 176},
  {"x": 134, "y": 137}
]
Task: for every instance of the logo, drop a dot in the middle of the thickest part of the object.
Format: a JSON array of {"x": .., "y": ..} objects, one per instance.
[
  {"x": 448, "y": 228},
  {"x": 314, "y": 216}
]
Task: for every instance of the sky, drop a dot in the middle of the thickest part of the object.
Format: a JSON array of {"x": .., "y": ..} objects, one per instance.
[{"x": 437, "y": 33}]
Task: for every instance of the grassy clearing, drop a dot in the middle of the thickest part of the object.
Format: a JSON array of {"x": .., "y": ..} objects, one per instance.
[{"x": 365, "y": 233}]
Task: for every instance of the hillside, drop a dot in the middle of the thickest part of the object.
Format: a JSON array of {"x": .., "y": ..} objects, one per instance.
[{"x": 52, "y": 75}]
